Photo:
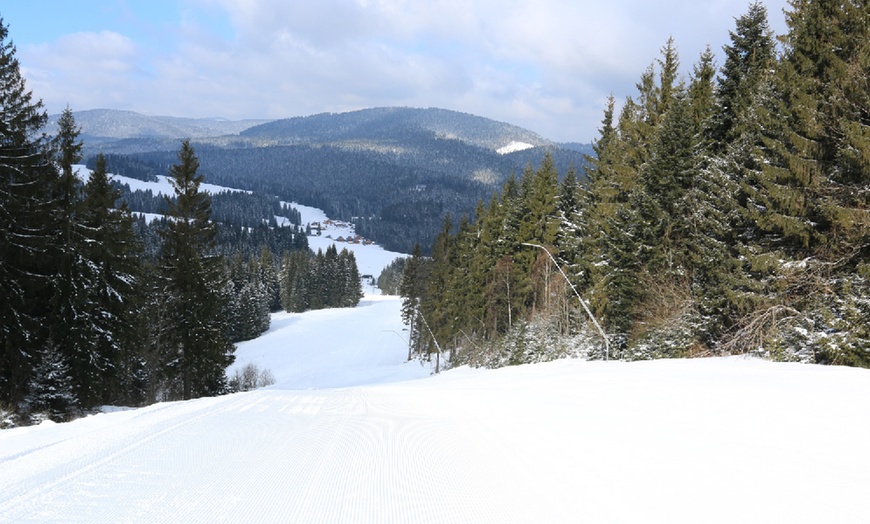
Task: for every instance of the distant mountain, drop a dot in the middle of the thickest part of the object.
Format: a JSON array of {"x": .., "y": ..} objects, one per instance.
[
  {"x": 394, "y": 123},
  {"x": 117, "y": 128},
  {"x": 395, "y": 171}
]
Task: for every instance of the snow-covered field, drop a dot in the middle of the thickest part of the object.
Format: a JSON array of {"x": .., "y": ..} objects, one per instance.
[
  {"x": 353, "y": 433},
  {"x": 161, "y": 186},
  {"x": 370, "y": 259}
]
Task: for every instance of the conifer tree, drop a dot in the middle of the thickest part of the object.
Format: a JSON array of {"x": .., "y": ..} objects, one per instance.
[
  {"x": 269, "y": 278},
  {"x": 72, "y": 323},
  {"x": 701, "y": 91},
  {"x": 731, "y": 175},
  {"x": 295, "y": 278},
  {"x": 484, "y": 292},
  {"x": 26, "y": 180},
  {"x": 748, "y": 60},
  {"x": 436, "y": 307},
  {"x": 192, "y": 277},
  {"x": 812, "y": 200},
  {"x": 413, "y": 291},
  {"x": 113, "y": 252},
  {"x": 51, "y": 392},
  {"x": 352, "y": 291}
]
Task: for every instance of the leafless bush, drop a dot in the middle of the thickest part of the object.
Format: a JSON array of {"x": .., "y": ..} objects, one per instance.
[
  {"x": 250, "y": 377},
  {"x": 266, "y": 378},
  {"x": 758, "y": 328}
]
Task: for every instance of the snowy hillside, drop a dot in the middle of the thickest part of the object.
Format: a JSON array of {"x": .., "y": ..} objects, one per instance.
[
  {"x": 342, "y": 437},
  {"x": 161, "y": 187}
]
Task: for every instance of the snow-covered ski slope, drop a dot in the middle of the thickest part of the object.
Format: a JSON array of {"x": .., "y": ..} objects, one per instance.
[{"x": 352, "y": 433}]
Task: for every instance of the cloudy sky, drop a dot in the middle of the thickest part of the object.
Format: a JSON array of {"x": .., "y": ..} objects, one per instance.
[{"x": 547, "y": 65}]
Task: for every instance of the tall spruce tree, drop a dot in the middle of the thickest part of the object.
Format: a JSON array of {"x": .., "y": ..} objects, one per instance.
[
  {"x": 71, "y": 322},
  {"x": 413, "y": 292},
  {"x": 26, "y": 202},
  {"x": 198, "y": 351},
  {"x": 749, "y": 58},
  {"x": 815, "y": 175},
  {"x": 114, "y": 251}
]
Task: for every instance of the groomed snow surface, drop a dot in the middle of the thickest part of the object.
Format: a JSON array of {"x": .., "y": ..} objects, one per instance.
[{"x": 353, "y": 433}]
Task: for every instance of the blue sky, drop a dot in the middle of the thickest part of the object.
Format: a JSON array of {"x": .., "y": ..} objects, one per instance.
[{"x": 547, "y": 65}]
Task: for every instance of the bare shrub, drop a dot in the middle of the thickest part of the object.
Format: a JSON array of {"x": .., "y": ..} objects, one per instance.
[
  {"x": 266, "y": 378},
  {"x": 250, "y": 377}
]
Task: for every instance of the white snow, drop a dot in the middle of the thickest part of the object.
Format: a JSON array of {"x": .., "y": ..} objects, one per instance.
[
  {"x": 513, "y": 147},
  {"x": 161, "y": 186},
  {"x": 346, "y": 436},
  {"x": 149, "y": 217}
]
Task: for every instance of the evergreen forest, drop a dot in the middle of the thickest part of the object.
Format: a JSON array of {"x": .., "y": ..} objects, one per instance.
[
  {"x": 725, "y": 212},
  {"x": 99, "y": 306}
]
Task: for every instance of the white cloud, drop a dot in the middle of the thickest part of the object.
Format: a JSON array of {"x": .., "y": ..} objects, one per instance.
[
  {"x": 546, "y": 65},
  {"x": 85, "y": 70}
]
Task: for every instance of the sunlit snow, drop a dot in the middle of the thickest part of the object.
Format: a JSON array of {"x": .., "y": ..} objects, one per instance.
[
  {"x": 161, "y": 186},
  {"x": 513, "y": 147},
  {"x": 352, "y": 432}
]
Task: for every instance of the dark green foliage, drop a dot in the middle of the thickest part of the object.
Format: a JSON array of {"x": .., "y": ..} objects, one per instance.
[
  {"x": 26, "y": 210},
  {"x": 129, "y": 167},
  {"x": 197, "y": 350},
  {"x": 720, "y": 215},
  {"x": 391, "y": 277},
  {"x": 324, "y": 280},
  {"x": 413, "y": 290}
]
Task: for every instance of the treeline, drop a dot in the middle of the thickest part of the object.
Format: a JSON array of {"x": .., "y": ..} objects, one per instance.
[
  {"x": 238, "y": 208},
  {"x": 128, "y": 166},
  {"x": 232, "y": 238},
  {"x": 324, "y": 280},
  {"x": 726, "y": 212}
]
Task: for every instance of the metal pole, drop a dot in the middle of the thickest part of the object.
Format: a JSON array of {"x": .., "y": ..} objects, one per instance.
[
  {"x": 582, "y": 302},
  {"x": 438, "y": 358}
]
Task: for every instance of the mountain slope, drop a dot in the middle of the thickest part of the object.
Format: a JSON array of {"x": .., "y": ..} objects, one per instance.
[
  {"x": 107, "y": 124},
  {"x": 395, "y": 123},
  {"x": 397, "y": 171}
]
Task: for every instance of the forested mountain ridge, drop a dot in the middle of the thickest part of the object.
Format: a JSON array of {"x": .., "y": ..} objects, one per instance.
[
  {"x": 393, "y": 124},
  {"x": 106, "y": 124},
  {"x": 395, "y": 171}
]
